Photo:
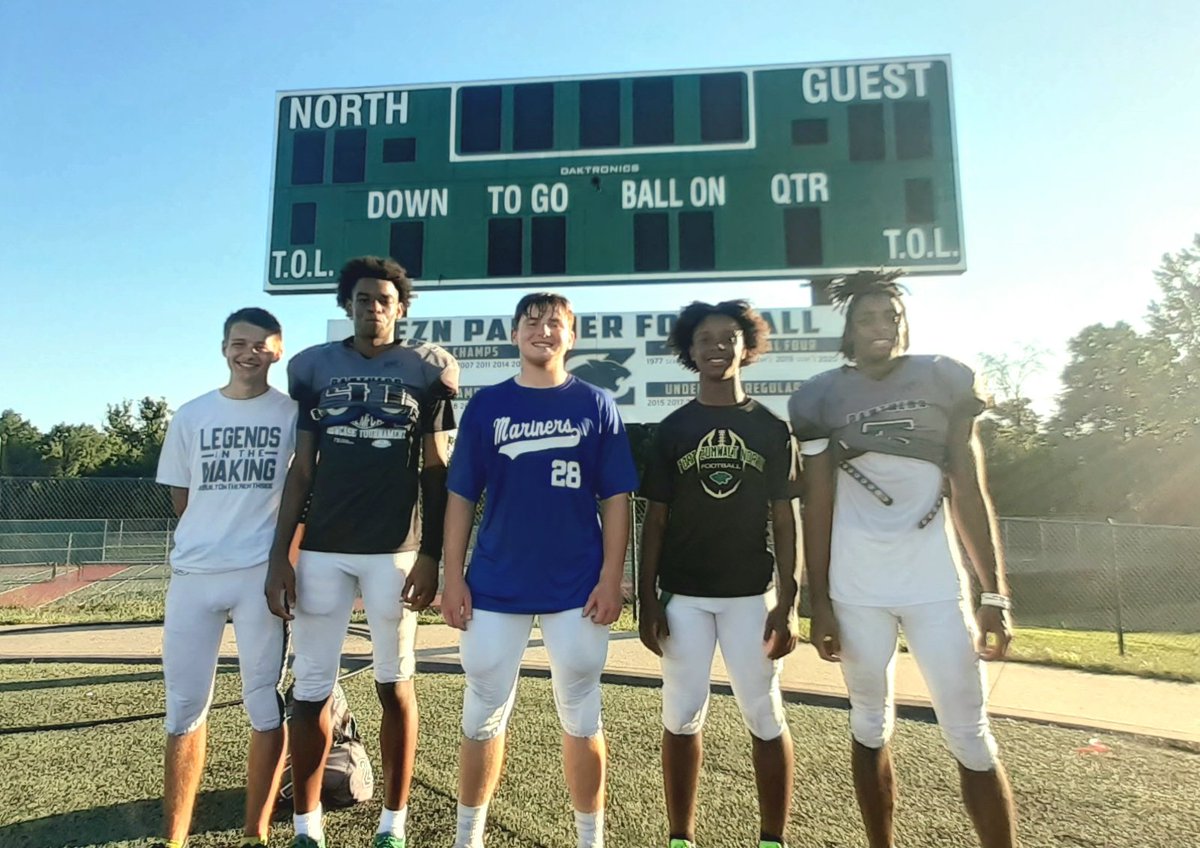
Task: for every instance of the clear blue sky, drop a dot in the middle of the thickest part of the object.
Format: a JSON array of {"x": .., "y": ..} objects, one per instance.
[{"x": 137, "y": 141}]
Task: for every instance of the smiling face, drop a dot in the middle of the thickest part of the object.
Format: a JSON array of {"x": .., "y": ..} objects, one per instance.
[
  {"x": 875, "y": 329},
  {"x": 250, "y": 351},
  {"x": 544, "y": 336},
  {"x": 374, "y": 307},
  {"x": 718, "y": 348}
]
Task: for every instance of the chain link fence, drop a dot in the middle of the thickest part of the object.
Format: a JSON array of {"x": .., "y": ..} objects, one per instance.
[
  {"x": 1093, "y": 577},
  {"x": 1067, "y": 575}
]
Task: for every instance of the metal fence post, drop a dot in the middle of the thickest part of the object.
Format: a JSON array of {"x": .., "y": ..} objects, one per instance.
[
  {"x": 70, "y": 550},
  {"x": 1117, "y": 579},
  {"x": 104, "y": 543}
]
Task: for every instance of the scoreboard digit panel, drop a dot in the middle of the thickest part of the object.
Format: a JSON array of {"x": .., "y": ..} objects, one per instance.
[{"x": 731, "y": 173}]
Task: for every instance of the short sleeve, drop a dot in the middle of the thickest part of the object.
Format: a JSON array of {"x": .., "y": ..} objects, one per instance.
[
  {"x": 173, "y": 466},
  {"x": 782, "y": 463},
  {"x": 805, "y": 411},
  {"x": 616, "y": 472},
  {"x": 302, "y": 390},
  {"x": 966, "y": 395},
  {"x": 441, "y": 375},
  {"x": 468, "y": 462},
  {"x": 659, "y": 483}
]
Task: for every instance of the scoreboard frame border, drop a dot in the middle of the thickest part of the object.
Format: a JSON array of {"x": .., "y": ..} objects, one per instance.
[{"x": 432, "y": 284}]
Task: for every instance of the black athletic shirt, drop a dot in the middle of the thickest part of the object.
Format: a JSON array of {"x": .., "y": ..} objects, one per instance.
[
  {"x": 718, "y": 468},
  {"x": 372, "y": 414}
]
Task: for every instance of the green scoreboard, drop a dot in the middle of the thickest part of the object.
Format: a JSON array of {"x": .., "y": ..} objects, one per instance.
[{"x": 733, "y": 173}]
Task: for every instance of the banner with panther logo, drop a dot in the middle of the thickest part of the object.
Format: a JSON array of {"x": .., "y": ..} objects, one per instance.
[{"x": 627, "y": 353}]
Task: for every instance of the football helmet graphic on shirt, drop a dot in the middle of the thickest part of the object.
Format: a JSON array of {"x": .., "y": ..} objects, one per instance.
[{"x": 721, "y": 457}]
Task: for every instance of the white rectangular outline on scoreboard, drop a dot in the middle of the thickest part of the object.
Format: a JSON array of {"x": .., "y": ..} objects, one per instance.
[
  {"x": 427, "y": 283},
  {"x": 751, "y": 142}
]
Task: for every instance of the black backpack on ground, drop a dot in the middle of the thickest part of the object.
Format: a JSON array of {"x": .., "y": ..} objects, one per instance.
[{"x": 348, "y": 778}]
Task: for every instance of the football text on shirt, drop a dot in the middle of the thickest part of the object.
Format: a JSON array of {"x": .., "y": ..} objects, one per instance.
[{"x": 719, "y": 460}]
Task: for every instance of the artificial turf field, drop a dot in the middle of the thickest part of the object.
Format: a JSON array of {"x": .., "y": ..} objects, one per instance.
[{"x": 101, "y": 786}]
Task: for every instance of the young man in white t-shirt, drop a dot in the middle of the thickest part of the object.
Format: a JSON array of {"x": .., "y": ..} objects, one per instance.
[
  {"x": 225, "y": 458},
  {"x": 884, "y": 438}
]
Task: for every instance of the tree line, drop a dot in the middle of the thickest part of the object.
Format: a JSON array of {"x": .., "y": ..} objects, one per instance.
[
  {"x": 126, "y": 445},
  {"x": 1122, "y": 443},
  {"x": 1124, "y": 440}
]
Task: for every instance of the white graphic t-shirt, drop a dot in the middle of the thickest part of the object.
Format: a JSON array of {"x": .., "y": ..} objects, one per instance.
[{"x": 232, "y": 456}]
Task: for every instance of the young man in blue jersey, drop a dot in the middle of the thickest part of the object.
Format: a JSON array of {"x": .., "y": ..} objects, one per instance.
[
  {"x": 547, "y": 448},
  {"x": 373, "y": 431},
  {"x": 885, "y": 437},
  {"x": 720, "y": 477}
]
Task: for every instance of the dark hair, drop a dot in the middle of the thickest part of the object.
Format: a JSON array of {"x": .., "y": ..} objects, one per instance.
[
  {"x": 754, "y": 329},
  {"x": 260, "y": 318},
  {"x": 846, "y": 292},
  {"x": 535, "y": 303},
  {"x": 373, "y": 268}
]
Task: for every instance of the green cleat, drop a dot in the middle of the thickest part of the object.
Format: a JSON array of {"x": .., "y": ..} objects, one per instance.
[
  {"x": 765, "y": 844},
  {"x": 303, "y": 840},
  {"x": 386, "y": 840},
  {"x": 682, "y": 843}
]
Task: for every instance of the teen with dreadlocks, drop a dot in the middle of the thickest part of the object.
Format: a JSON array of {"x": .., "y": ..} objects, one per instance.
[
  {"x": 721, "y": 468},
  {"x": 881, "y": 437}
]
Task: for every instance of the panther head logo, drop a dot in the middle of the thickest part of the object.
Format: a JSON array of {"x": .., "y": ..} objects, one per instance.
[{"x": 604, "y": 369}]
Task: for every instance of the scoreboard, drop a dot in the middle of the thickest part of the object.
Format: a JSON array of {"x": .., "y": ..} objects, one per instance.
[{"x": 734, "y": 173}]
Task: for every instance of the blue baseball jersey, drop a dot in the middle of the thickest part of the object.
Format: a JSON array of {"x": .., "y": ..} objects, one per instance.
[{"x": 544, "y": 458}]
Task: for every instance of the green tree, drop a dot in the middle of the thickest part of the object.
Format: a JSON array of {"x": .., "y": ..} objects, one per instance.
[
  {"x": 75, "y": 450},
  {"x": 1021, "y": 463},
  {"x": 1117, "y": 384},
  {"x": 1123, "y": 444},
  {"x": 20, "y": 442},
  {"x": 1175, "y": 316},
  {"x": 136, "y": 437}
]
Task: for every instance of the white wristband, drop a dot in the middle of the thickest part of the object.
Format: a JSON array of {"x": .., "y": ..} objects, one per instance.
[{"x": 992, "y": 599}]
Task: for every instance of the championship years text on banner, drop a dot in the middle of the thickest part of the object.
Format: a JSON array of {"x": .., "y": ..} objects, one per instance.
[{"x": 626, "y": 353}]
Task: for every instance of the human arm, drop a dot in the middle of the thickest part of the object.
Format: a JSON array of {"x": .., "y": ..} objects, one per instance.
[
  {"x": 974, "y": 518},
  {"x": 817, "y": 529},
  {"x": 782, "y": 628},
  {"x": 174, "y": 469},
  {"x": 652, "y": 617},
  {"x": 280, "y": 587},
  {"x": 420, "y": 587},
  {"x": 179, "y": 500},
  {"x": 603, "y": 605},
  {"x": 456, "y": 596}
]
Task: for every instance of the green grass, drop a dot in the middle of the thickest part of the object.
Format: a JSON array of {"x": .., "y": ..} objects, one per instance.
[
  {"x": 102, "y": 787},
  {"x": 1172, "y": 656}
]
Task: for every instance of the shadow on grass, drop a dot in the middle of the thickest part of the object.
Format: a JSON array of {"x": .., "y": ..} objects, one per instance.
[{"x": 219, "y": 810}]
